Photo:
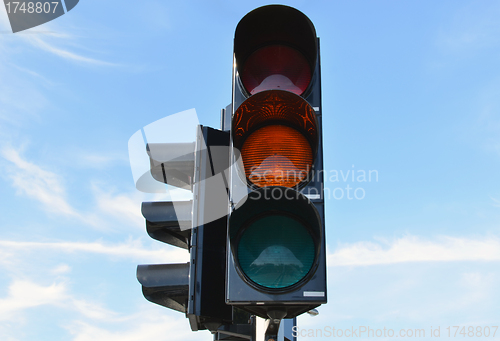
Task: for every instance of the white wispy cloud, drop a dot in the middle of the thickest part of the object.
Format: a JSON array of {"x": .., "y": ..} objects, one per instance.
[
  {"x": 415, "y": 249},
  {"x": 99, "y": 160},
  {"x": 38, "y": 183},
  {"x": 47, "y": 187},
  {"x": 93, "y": 310},
  {"x": 146, "y": 326},
  {"x": 42, "y": 43},
  {"x": 125, "y": 207},
  {"x": 25, "y": 294},
  {"x": 61, "y": 269},
  {"x": 49, "y": 37},
  {"x": 35, "y": 75},
  {"x": 15, "y": 87},
  {"x": 91, "y": 320},
  {"x": 130, "y": 250}
]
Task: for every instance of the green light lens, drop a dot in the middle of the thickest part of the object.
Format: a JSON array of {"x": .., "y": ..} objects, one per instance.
[{"x": 276, "y": 251}]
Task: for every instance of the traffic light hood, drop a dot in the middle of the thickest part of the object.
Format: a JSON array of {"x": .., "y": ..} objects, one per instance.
[{"x": 275, "y": 47}]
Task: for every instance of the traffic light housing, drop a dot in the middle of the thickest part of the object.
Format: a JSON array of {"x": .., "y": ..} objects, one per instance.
[
  {"x": 169, "y": 222},
  {"x": 255, "y": 227},
  {"x": 206, "y": 307},
  {"x": 276, "y": 259},
  {"x": 199, "y": 226}
]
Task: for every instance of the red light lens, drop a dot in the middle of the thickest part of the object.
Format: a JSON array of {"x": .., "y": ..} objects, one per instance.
[{"x": 276, "y": 67}]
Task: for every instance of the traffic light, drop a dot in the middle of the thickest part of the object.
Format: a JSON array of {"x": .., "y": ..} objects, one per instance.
[
  {"x": 276, "y": 259},
  {"x": 195, "y": 288},
  {"x": 255, "y": 226},
  {"x": 169, "y": 222}
]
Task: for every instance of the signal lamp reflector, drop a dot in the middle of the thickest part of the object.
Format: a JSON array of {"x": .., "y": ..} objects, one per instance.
[
  {"x": 277, "y": 135},
  {"x": 275, "y": 236},
  {"x": 276, "y": 251},
  {"x": 276, "y": 155},
  {"x": 276, "y": 67}
]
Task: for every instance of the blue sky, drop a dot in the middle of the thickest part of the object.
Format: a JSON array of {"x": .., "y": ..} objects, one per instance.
[{"x": 410, "y": 89}]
